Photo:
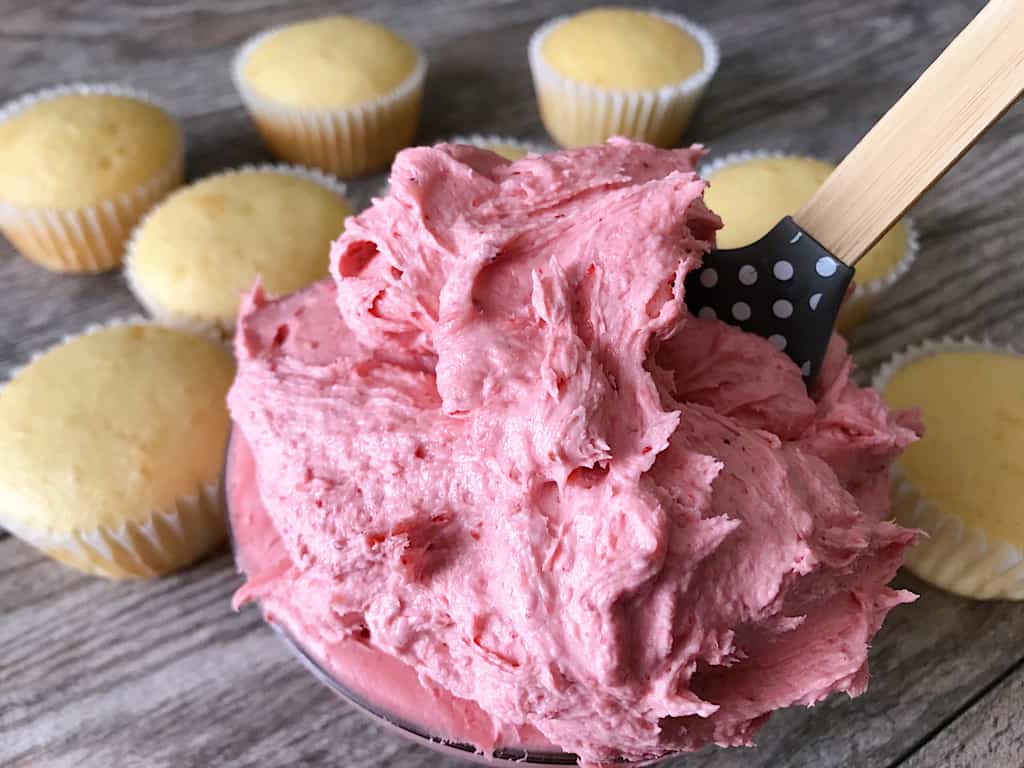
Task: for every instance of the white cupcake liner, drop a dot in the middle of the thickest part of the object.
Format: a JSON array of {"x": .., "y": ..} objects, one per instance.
[
  {"x": 578, "y": 114},
  {"x": 482, "y": 141},
  {"x": 86, "y": 238},
  {"x": 865, "y": 295},
  {"x": 168, "y": 539},
  {"x": 192, "y": 526},
  {"x": 955, "y": 556},
  {"x": 353, "y": 141},
  {"x": 214, "y": 327}
]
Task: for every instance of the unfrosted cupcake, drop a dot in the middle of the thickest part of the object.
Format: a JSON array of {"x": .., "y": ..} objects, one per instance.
[
  {"x": 194, "y": 255},
  {"x": 964, "y": 481},
  {"x": 79, "y": 166},
  {"x": 509, "y": 148},
  {"x": 112, "y": 450},
  {"x": 619, "y": 72},
  {"x": 337, "y": 93},
  {"x": 752, "y": 191}
]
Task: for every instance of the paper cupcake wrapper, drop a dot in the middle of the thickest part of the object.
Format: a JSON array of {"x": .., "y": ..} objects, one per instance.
[
  {"x": 354, "y": 141},
  {"x": 161, "y": 541},
  {"x": 168, "y": 539},
  {"x": 865, "y": 295},
  {"x": 482, "y": 141},
  {"x": 86, "y": 238},
  {"x": 577, "y": 114},
  {"x": 218, "y": 327},
  {"x": 955, "y": 556}
]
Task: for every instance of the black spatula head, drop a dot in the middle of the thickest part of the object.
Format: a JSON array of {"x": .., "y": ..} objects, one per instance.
[{"x": 785, "y": 287}]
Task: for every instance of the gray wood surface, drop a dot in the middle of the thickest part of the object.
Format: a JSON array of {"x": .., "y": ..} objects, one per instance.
[
  {"x": 165, "y": 674},
  {"x": 984, "y": 733}
]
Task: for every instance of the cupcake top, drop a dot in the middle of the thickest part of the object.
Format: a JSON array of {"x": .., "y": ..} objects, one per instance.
[
  {"x": 110, "y": 426},
  {"x": 195, "y": 254},
  {"x": 971, "y": 458},
  {"x": 330, "y": 63},
  {"x": 621, "y": 49},
  {"x": 79, "y": 148},
  {"x": 510, "y": 149},
  {"x": 752, "y": 195}
]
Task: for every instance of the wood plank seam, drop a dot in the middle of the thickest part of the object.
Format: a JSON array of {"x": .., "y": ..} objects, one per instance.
[{"x": 959, "y": 713}]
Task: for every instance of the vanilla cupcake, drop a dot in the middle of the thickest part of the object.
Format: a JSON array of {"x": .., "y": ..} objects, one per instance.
[
  {"x": 964, "y": 481},
  {"x": 752, "y": 191},
  {"x": 510, "y": 149},
  {"x": 337, "y": 93},
  {"x": 79, "y": 166},
  {"x": 112, "y": 449},
  {"x": 619, "y": 72},
  {"x": 194, "y": 255}
]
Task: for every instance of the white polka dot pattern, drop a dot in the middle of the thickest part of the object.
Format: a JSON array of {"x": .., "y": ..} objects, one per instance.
[
  {"x": 782, "y": 309},
  {"x": 784, "y": 287},
  {"x": 783, "y": 270},
  {"x": 825, "y": 266}
]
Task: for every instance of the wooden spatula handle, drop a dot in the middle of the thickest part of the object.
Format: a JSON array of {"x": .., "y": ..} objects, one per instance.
[{"x": 964, "y": 91}]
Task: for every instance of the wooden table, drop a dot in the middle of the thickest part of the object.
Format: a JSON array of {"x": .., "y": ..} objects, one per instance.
[{"x": 163, "y": 673}]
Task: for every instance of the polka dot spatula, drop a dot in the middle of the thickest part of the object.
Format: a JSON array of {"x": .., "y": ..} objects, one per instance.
[{"x": 789, "y": 285}]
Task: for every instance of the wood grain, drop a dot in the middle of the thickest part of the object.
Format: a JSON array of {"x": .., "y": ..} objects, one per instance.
[
  {"x": 987, "y": 734},
  {"x": 165, "y": 674},
  {"x": 967, "y": 88}
]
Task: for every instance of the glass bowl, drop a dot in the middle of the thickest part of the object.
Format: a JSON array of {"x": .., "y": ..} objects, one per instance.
[
  {"x": 415, "y": 732},
  {"x": 239, "y": 450}
]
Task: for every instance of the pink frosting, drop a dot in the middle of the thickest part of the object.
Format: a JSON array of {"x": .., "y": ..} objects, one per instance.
[
  {"x": 385, "y": 683},
  {"x": 496, "y": 450}
]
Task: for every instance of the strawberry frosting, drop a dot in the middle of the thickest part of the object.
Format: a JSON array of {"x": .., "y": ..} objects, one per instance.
[{"x": 507, "y": 477}]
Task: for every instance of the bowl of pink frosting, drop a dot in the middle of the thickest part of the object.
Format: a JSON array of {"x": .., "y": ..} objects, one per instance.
[{"x": 500, "y": 490}]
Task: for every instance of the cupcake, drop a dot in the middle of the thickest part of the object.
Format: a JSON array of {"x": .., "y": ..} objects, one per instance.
[
  {"x": 618, "y": 72},
  {"x": 79, "y": 166},
  {"x": 337, "y": 93},
  {"x": 510, "y": 149},
  {"x": 962, "y": 483},
  {"x": 751, "y": 191},
  {"x": 192, "y": 257},
  {"x": 112, "y": 449}
]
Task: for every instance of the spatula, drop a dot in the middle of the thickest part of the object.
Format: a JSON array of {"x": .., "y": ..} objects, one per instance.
[{"x": 789, "y": 285}]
